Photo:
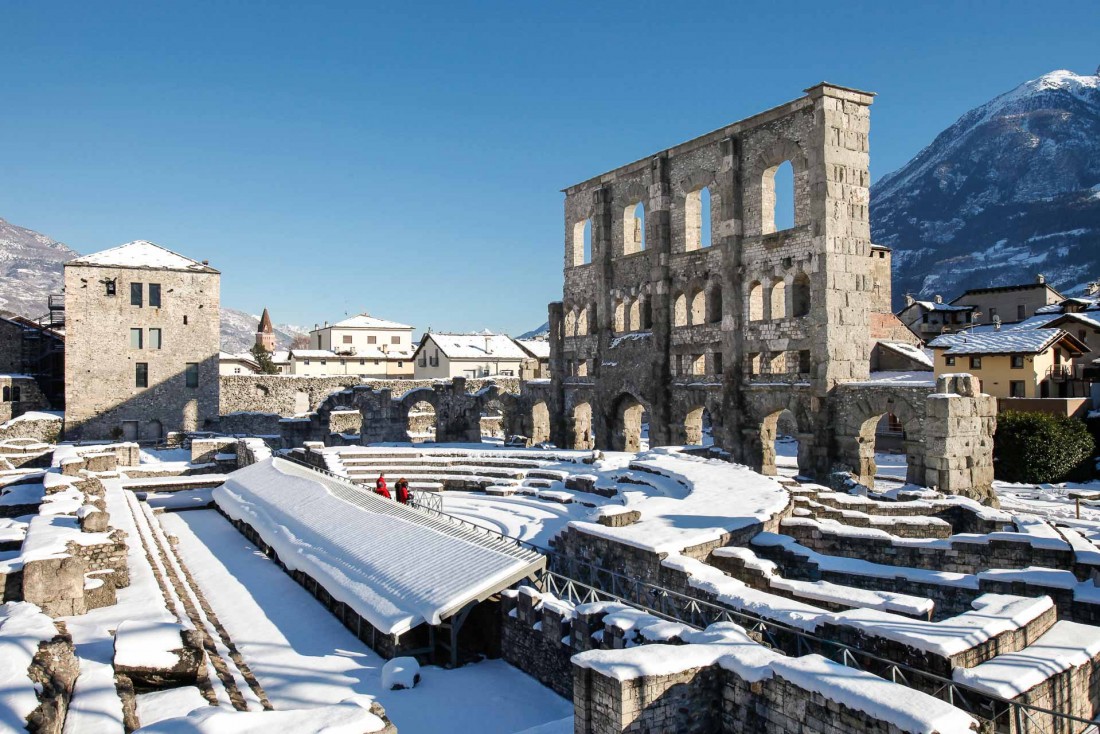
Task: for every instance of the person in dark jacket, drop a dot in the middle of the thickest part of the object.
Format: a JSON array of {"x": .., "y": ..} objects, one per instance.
[
  {"x": 380, "y": 487},
  {"x": 402, "y": 488}
]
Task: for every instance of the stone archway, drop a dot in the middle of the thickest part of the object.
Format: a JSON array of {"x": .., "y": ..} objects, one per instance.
[
  {"x": 540, "y": 423},
  {"x": 421, "y": 414},
  {"x": 626, "y": 423},
  {"x": 859, "y": 431},
  {"x": 583, "y": 432}
]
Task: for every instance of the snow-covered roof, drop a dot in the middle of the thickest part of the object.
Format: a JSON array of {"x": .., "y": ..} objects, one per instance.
[
  {"x": 394, "y": 565},
  {"x": 142, "y": 254},
  {"x": 911, "y": 351},
  {"x": 1006, "y": 341},
  {"x": 539, "y": 348},
  {"x": 365, "y": 321},
  {"x": 280, "y": 357},
  {"x": 933, "y": 306},
  {"x": 476, "y": 346},
  {"x": 312, "y": 354},
  {"x": 243, "y": 357}
]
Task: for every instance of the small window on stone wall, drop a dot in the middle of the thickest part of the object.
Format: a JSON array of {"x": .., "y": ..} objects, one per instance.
[
  {"x": 580, "y": 245},
  {"x": 804, "y": 362},
  {"x": 716, "y": 363},
  {"x": 697, "y": 233},
  {"x": 800, "y": 296},
  {"x": 756, "y": 302},
  {"x": 680, "y": 310},
  {"x": 634, "y": 228},
  {"x": 777, "y": 199}
]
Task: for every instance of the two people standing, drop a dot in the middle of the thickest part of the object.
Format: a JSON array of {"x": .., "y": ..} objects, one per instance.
[{"x": 401, "y": 489}]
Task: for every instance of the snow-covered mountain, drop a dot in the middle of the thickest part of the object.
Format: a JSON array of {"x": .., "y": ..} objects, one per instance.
[
  {"x": 31, "y": 266},
  {"x": 1010, "y": 190},
  {"x": 541, "y": 332}
]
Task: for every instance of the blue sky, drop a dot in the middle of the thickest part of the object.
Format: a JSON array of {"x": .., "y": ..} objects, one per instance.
[{"x": 406, "y": 158}]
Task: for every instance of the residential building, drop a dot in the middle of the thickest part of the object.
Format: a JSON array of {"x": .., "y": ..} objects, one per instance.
[
  {"x": 237, "y": 364},
  {"x": 443, "y": 356},
  {"x": 929, "y": 319},
  {"x": 142, "y": 338},
  {"x": 364, "y": 336},
  {"x": 1009, "y": 303},
  {"x": 537, "y": 365},
  {"x": 324, "y": 362},
  {"x": 1016, "y": 363}
]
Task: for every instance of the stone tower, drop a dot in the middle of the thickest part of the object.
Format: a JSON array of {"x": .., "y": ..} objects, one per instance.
[
  {"x": 265, "y": 334},
  {"x": 141, "y": 344}
]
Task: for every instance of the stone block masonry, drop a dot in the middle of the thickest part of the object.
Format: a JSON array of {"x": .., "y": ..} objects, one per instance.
[{"x": 731, "y": 334}]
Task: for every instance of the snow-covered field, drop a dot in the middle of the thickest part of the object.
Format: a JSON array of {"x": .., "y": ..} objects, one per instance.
[{"x": 304, "y": 658}]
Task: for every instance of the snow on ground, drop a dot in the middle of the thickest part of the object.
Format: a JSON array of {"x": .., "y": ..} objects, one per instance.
[
  {"x": 303, "y": 657},
  {"x": 160, "y": 456},
  {"x": 95, "y": 706}
]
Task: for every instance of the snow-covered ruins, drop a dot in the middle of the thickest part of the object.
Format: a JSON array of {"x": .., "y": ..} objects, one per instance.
[{"x": 695, "y": 523}]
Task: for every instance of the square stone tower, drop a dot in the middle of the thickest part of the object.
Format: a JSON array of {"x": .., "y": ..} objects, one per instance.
[{"x": 142, "y": 343}]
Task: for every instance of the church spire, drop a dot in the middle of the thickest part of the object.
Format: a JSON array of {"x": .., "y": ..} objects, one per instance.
[{"x": 265, "y": 333}]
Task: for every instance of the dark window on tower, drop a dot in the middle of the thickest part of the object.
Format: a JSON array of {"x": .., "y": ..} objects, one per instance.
[
  {"x": 135, "y": 339},
  {"x": 141, "y": 374},
  {"x": 192, "y": 374},
  {"x": 7, "y": 394},
  {"x": 110, "y": 285},
  {"x": 185, "y": 319},
  {"x": 1021, "y": 314},
  {"x": 135, "y": 294},
  {"x": 154, "y": 295}
]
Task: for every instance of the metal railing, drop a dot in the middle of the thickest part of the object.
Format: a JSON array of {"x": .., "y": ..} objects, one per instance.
[
  {"x": 563, "y": 579},
  {"x": 699, "y": 613}
]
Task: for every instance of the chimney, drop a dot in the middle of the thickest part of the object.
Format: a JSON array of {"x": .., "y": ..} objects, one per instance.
[
  {"x": 996, "y": 323},
  {"x": 938, "y": 298},
  {"x": 205, "y": 262},
  {"x": 909, "y": 300},
  {"x": 1040, "y": 279}
]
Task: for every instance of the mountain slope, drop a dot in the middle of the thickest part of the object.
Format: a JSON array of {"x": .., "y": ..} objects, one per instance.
[
  {"x": 31, "y": 268},
  {"x": 1009, "y": 190}
]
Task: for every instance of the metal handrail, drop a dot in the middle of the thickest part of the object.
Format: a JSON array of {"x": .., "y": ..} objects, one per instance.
[{"x": 699, "y": 613}]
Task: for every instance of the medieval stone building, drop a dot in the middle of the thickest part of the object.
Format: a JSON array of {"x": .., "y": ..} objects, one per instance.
[
  {"x": 142, "y": 337},
  {"x": 730, "y": 323}
]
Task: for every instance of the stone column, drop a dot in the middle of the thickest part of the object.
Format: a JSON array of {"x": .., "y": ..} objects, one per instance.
[
  {"x": 958, "y": 439},
  {"x": 659, "y": 240}
]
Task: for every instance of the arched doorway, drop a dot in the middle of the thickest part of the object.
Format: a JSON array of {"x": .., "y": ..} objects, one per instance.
[
  {"x": 584, "y": 436},
  {"x": 779, "y": 444},
  {"x": 888, "y": 456},
  {"x": 698, "y": 428},
  {"x": 492, "y": 421},
  {"x": 628, "y": 418},
  {"x": 540, "y": 423},
  {"x": 421, "y": 422}
]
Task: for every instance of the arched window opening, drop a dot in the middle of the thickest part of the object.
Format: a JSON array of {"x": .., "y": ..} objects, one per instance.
[
  {"x": 629, "y": 416},
  {"x": 680, "y": 310},
  {"x": 714, "y": 305},
  {"x": 887, "y": 458},
  {"x": 756, "y": 301},
  {"x": 636, "y": 315},
  {"x": 634, "y": 228},
  {"x": 800, "y": 296},
  {"x": 697, "y": 233},
  {"x": 492, "y": 422},
  {"x": 7, "y": 394},
  {"x": 580, "y": 250},
  {"x": 619, "y": 324},
  {"x": 582, "y": 368},
  {"x": 698, "y": 307},
  {"x": 647, "y": 313},
  {"x": 593, "y": 320},
  {"x": 779, "y": 299},
  {"x": 777, "y": 200},
  {"x": 582, "y": 322},
  {"x": 421, "y": 422},
  {"x": 571, "y": 322}
]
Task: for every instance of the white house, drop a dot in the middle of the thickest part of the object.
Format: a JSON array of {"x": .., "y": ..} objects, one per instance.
[
  {"x": 324, "y": 363},
  {"x": 442, "y": 356},
  {"x": 364, "y": 336}
]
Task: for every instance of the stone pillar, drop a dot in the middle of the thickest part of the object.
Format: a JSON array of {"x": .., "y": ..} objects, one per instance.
[
  {"x": 958, "y": 439},
  {"x": 727, "y": 235},
  {"x": 560, "y": 430},
  {"x": 659, "y": 241}
]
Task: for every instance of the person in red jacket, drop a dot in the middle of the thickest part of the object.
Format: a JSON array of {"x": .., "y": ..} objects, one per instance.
[
  {"x": 402, "y": 488},
  {"x": 380, "y": 487}
]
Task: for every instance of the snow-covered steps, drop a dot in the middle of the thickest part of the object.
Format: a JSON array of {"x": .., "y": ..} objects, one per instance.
[
  {"x": 744, "y": 565},
  {"x": 1055, "y": 671},
  {"x": 997, "y": 624}
]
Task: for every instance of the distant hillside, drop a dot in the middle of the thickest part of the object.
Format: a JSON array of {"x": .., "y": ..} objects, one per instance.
[
  {"x": 31, "y": 267},
  {"x": 1010, "y": 190},
  {"x": 539, "y": 333}
]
